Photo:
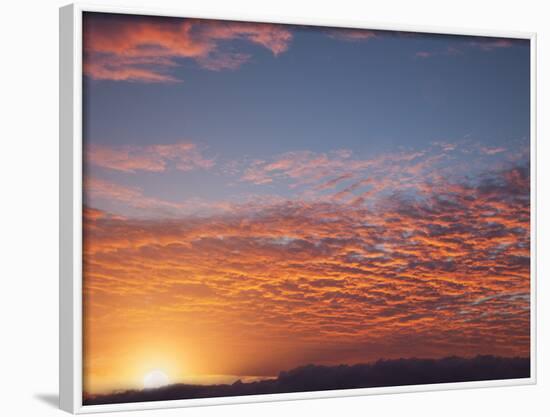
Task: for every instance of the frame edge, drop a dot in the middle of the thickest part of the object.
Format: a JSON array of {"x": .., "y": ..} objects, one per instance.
[
  {"x": 66, "y": 198},
  {"x": 70, "y": 205},
  {"x": 533, "y": 159}
]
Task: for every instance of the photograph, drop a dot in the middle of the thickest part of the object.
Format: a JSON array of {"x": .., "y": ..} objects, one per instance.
[{"x": 275, "y": 208}]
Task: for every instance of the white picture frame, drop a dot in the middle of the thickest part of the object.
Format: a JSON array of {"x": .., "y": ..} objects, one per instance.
[{"x": 70, "y": 203}]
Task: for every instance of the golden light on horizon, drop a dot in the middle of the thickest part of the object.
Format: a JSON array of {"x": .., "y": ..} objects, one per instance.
[
  {"x": 137, "y": 365},
  {"x": 155, "y": 379}
]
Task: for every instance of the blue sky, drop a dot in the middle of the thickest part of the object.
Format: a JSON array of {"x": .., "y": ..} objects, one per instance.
[{"x": 373, "y": 95}]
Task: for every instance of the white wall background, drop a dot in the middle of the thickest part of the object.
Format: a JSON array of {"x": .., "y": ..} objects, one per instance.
[{"x": 29, "y": 195}]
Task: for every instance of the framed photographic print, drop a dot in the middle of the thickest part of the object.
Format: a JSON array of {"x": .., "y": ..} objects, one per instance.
[{"x": 257, "y": 209}]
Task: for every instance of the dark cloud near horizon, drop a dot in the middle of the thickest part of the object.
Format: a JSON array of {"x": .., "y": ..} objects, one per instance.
[{"x": 383, "y": 373}]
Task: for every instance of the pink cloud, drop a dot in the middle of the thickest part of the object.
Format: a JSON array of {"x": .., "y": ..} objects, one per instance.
[
  {"x": 302, "y": 166},
  {"x": 136, "y": 202},
  {"x": 223, "y": 61},
  {"x": 489, "y": 44},
  {"x": 445, "y": 146},
  {"x": 145, "y": 50},
  {"x": 273, "y": 37},
  {"x": 324, "y": 171},
  {"x": 334, "y": 182},
  {"x": 424, "y": 54},
  {"x": 141, "y": 69},
  {"x": 324, "y": 176},
  {"x": 451, "y": 50},
  {"x": 483, "y": 44},
  {"x": 351, "y": 188},
  {"x": 352, "y": 35},
  {"x": 131, "y": 196},
  {"x": 308, "y": 167},
  {"x": 153, "y": 158},
  {"x": 493, "y": 150}
]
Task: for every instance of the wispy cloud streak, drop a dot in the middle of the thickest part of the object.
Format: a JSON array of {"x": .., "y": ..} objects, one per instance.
[{"x": 184, "y": 156}]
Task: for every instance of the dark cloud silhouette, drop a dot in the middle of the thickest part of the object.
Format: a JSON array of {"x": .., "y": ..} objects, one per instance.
[{"x": 382, "y": 373}]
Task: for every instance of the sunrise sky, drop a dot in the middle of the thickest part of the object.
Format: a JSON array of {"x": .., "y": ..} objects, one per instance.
[{"x": 259, "y": 197}]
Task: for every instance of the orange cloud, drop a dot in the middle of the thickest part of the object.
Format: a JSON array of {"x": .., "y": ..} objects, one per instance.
[
  {"x": 444, "y": 274},
  {"x": 134, "y": 48}
]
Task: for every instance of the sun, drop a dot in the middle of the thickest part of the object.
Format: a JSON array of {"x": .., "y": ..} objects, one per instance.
[{"x": 155, "y": 379}]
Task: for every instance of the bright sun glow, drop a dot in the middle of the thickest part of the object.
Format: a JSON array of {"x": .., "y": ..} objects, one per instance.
[{"x": 155, "y": 379}]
